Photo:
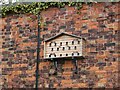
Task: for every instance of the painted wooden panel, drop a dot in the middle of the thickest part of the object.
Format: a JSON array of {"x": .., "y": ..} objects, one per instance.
[{"x": 64, "y": 46}]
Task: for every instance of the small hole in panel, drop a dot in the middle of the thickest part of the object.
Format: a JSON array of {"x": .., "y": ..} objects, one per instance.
[
  {"x": 55, "y": 44},
  {"x": 60, "y": 43},
  {"x": 72, "y": 42},
  {"x": 66, "y": 43},
  {"x": 57, "y": 49},
  {"x": 63, "y": 48},
  {"x": 75, "y": 47},
  {"x": 52, "y": 49},
  {"x": 50, "y": 55},
  {"x": 72, "y": 54},
  {"x": 50, "y": 45},
  {"x": 68, "y": 48}
]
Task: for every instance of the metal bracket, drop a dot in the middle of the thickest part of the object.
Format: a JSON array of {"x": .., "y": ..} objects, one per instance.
[
  {"x": 55, "y": 65},
  {"x": 76, "y": 66}
]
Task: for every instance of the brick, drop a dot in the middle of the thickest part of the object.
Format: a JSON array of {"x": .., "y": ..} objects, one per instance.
[
  {"x": 84, "y": 31},
  {"x": 66, "y": 81},
  {"x": 67, "y": 73},
  {"x": 102, "y": 81},
  {"x": 100, "y": 84},
  {"x": 101, "y": 41},
  {"x": 101, "y": 56},
  {"x": 55, "y": 85},
  {"x": 93, "y": 68},
  {"x": 82, "y": 85}
]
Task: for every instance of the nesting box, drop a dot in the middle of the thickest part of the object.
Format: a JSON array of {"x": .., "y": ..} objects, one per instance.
[{"x": 64, "y": 45}]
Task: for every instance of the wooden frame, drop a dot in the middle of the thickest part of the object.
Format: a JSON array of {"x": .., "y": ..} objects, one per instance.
[{"x": 77, "y": 47}]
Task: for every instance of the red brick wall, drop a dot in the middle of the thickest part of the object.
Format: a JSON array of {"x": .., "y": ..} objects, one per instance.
[{"x": 97, "y": 23}]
